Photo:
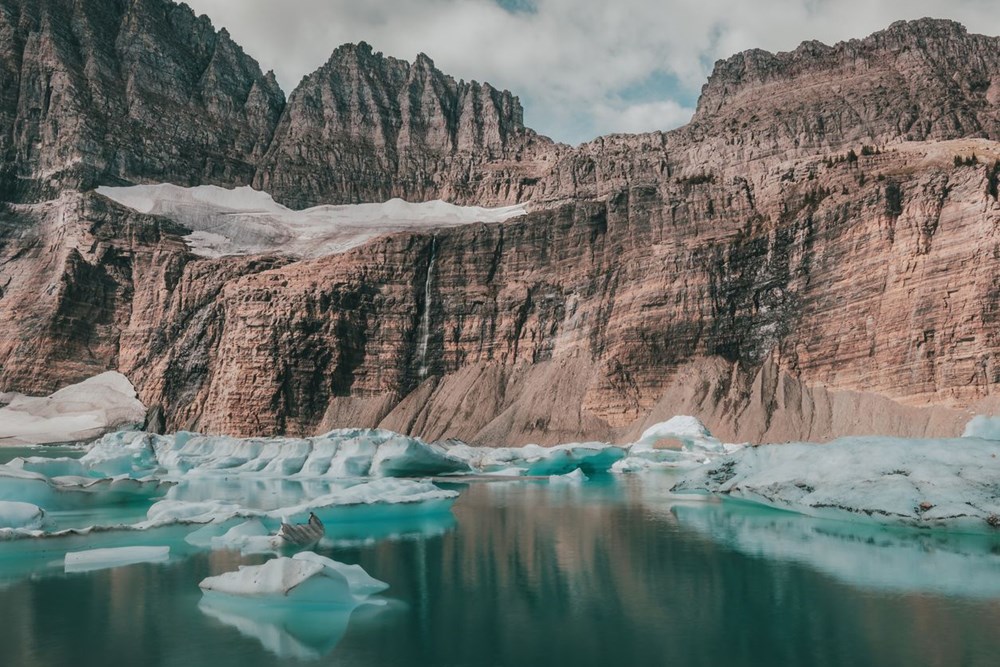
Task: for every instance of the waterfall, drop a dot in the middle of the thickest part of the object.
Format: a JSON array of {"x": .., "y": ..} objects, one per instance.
[{"x": 425, "y": 317}]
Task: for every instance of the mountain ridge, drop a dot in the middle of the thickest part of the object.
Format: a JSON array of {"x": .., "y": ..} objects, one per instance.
[{"x": 779, "y": 281}]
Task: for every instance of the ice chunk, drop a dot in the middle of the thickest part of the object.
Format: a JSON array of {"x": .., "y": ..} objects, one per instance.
[
  {"x": 20, "y": 515},
  {"x": 75, "y": 413},
  {"x": 360, "y": 582},
  {"x": 575, "y": 477},
  {"x": 122, "y": 453},
  {"x": 305, "y": 580},
  {"x": 929, "y": 482},
  {"x": 245, "y": 221},
  {"x": 688, "y": 431},
  {"x": 170, "y": 511},
  {"x": 408, "y": 457},
  {"x": 251, "y": 536},
  {"x": 101, "y": 559}
]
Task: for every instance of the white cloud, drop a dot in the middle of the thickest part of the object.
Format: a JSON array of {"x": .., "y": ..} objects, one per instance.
[{"x": 572, "y": 60}]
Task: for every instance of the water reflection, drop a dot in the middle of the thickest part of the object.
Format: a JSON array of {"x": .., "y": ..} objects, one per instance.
[
  {"x": 300, "y": 633},
  {"x": 861, "y": 554},
  {"x": 613, "y": 572}
]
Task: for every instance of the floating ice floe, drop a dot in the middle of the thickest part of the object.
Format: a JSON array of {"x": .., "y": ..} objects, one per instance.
[
  {"x": 244, "y": 221},
  {"x": 102, "y": 559},
  {"x": 927, "y": 482},
  {"x": 306, "y": 579},
  {"x": 75, "y": 413},
  {"x": 295, "y": 607}
]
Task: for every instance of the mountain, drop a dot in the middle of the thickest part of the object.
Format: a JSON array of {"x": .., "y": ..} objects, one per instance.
[
  {"x": 125, "y": 91},
  {"x": 815, "y": 254}
]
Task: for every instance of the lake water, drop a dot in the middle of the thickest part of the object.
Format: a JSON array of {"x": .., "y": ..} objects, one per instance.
[{"x": 611, "y": 572}]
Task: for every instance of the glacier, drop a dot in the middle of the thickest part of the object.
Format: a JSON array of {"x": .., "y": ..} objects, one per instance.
[{"x": 244, "y": 221}]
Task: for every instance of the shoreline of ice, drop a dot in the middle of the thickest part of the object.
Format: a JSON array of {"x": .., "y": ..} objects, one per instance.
[{"x": 949, "y": 483}]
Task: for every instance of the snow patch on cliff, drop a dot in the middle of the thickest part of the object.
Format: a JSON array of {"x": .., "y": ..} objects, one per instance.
[
  {"x": 244, "y": 221},
  {"x": 75, "y": 413}
]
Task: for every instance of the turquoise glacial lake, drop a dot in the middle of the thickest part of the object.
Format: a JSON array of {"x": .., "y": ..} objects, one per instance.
[{"x": 610, "y": 572}]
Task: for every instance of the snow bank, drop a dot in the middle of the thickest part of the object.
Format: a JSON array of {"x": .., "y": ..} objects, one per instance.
[
  {"x": 102, "y": 559},
  {"x": 946, "y": 482},
  {"x": 307, "y": 579},
  {"x": 20, "y": 515},
  {"x": 244, "y": 221},
  {"x": 75, "y": 413}
]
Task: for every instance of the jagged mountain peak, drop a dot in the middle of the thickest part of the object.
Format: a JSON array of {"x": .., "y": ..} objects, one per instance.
[{"x": 916, "y": 80}]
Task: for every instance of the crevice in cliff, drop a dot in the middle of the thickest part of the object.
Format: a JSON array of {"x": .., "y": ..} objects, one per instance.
[{"x": 424, "y": 331}]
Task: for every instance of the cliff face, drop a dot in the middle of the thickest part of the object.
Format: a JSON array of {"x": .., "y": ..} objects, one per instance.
[
  {"x": 125, "y": 91},
  {"x": 742, "y": 268}
]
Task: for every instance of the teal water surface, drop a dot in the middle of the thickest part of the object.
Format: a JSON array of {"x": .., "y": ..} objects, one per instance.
[{"x": 611, "y": 572}]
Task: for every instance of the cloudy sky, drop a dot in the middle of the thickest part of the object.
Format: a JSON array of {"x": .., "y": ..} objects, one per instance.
[{"x": 581, "y": 67}]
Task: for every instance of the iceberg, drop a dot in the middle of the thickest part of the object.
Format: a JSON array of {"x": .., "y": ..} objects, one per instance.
[
  {"x": 244, "y": 221},
  {"x": 307, "y": 579},
  {"x": 249, "y": 537},
  {"x": 401, "y": 456},
  {"x": 75, "y": 413},
  {"x": 101, "y": 559},
  {"x": 950, "y": 483},
  {"x": 688, "y": 442},
  {"x": 20, "y": 515},
  {"x": 689, "y": 431}
]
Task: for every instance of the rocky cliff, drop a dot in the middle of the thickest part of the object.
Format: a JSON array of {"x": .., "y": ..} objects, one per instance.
[
  {"x": 125, "y": 91},
  {"x": 815, "y": 254}
]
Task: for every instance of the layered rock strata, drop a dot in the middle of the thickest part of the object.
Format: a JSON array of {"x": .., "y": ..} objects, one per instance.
[{"x": 814, "y": 255}]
